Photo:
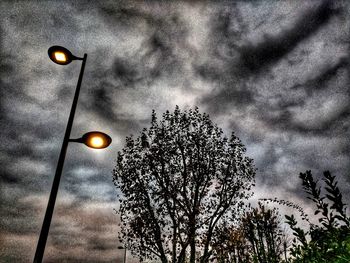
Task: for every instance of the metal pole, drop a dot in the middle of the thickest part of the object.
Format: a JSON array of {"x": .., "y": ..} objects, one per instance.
[
  {"x": 124, "y": 254},
  {"x": 56, "y": 181}
]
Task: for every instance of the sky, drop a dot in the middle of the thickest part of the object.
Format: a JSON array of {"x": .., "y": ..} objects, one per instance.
[{"x": 274, "y": 72}]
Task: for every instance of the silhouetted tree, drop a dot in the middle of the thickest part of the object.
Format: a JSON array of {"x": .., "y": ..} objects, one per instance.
[
  {"x": 259, "y": 237},
  {"x": 179, "y": 180},
  {"x": 329, "y": 240}
]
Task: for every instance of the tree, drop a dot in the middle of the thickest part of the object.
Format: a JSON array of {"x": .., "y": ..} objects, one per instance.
[
  {"x": 328, "y": 241},
  {"x": 179, "y": 180},
  {"x": 259, "y": 237}
]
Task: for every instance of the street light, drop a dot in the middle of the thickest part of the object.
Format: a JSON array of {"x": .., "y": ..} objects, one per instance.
[
  {"x": 120, "y": 247},
  {"x": 61, "y": 55},
  {"x": 96, "y": 140}
]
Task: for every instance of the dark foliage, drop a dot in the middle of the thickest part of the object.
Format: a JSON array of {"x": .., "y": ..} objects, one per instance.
[
  {"x": 259, "y": 237},
  {"x": 180, "y": 180},
  {"x": 329, "y": 240}
]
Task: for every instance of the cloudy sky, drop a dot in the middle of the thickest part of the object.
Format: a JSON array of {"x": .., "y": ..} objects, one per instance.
[{"x": 275, "y": 72}]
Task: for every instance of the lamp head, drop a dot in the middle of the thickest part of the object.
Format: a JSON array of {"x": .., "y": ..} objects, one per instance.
[
  {"x": 61, "y": 55},
  {"x": 96, "y": 140}
]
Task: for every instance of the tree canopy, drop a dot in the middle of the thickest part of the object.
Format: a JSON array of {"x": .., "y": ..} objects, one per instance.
[
  {"x": 180, "y": 179},
  {"x": 258, "y": 237}
]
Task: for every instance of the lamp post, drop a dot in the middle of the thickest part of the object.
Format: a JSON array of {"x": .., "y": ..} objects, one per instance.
[
  {"x": 96, "y": 140},
  {"x": 120, "y": 247}
]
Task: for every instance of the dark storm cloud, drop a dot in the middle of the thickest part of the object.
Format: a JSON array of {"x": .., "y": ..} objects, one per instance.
[
  {"x": 19, "y": 135},
  {"x": 312, "y": 87},
  {"x": 91, "y": 230},
  {"x": 101, "y": 103},
  {"x": 250, "y": 58},
  {"x": 156, "y": 55},
  {"x": 232, "y": 72},
  {"x": 125, "y": 72},
  {"x": 15, "y": 218},
  {"x": 323, "y": 77},
  {"x": 275, "y": 73},
  {"x": 239, "y": 69},
  {"x": 156, "y": 59},
  {"x": 18, "y": 217},
  {"x": 285, "y": 121},
  {"x": 258, "y": 56},
  {"x": 115, "y": 14}
]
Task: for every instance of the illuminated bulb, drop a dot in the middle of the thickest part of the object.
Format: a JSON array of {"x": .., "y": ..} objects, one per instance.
[
  {"x": 96, "y": 142},
  {"x": 60, "y": 56}
]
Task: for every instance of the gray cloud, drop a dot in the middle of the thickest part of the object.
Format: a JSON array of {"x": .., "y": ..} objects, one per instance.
[
  {"x": 276, "y": 74},
  {"x": 258, "y": 56}
]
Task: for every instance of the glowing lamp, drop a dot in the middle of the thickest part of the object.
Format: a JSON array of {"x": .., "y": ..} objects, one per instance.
[
  {"x": 61, "y": 55},
  {"x": 96, "y": 140}
]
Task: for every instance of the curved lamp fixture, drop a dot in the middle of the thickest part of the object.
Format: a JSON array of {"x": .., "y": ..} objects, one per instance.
[
  {"x": 94, "y": 139},
  {"x": 61, "y": 55}
]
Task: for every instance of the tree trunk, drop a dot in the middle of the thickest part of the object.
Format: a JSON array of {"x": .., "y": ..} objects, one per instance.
[{"x": 192, "y": 238}]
